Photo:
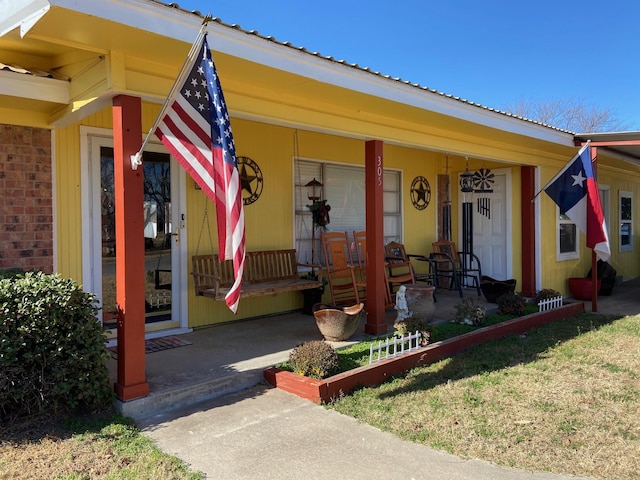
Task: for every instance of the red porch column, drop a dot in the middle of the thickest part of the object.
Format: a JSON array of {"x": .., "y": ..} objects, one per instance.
[
  {"x": 130, "y": 271},
  {"x": 375, "y": 303},
  {"x": 527, "y": 189}
]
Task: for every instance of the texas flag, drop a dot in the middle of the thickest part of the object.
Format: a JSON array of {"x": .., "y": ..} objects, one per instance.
[{"x": 575, "y": 191}]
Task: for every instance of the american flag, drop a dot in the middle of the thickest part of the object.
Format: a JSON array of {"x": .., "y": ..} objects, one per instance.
[{"x": 197, "y": 131}]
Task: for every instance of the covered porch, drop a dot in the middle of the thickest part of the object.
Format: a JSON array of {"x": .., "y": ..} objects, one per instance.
[{"x": 228, "y": 358}]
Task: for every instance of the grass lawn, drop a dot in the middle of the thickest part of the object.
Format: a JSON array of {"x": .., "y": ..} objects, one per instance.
[
  {"x": 563, "y": 398},
  {"x": 105, "y": 446}
]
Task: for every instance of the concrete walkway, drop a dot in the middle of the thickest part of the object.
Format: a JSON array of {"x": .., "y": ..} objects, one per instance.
[
  {"x": 264, "y": 433},
  {"x": 247, "y": 430}
]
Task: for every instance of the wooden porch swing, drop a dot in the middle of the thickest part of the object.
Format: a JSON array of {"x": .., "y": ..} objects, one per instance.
[{"x": 266, "y": 272}]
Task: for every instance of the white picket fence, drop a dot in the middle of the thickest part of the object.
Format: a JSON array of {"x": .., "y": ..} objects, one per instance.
[
  {"x": 159, "y": 299},
  {"x": 392, "y": 347},
  {"x": 549, "y": 304}
]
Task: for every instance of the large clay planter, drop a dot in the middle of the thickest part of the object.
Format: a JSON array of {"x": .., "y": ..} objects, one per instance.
[
  {"x": 582, "y": 288},
  {"x": 420, "y": 301},
  {"x": 335, "y": 323}
]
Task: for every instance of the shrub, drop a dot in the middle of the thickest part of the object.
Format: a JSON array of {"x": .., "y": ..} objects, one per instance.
[
  {"x": 10, "y": 272},
  {"x": 52, "y": 349},
  {"x": 469, "y": 312},
  {"x": 545, "y": 294},
  {"x": 412, "y": 325},
  {"x": 511, "y": 304},
  {"x": 315, "y": 359}
]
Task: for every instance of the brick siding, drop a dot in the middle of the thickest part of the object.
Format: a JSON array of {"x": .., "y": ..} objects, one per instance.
[{"x": 26, "y": 196}]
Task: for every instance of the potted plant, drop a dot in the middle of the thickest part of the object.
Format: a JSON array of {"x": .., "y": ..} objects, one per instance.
[{"x": 469, "y": 312}]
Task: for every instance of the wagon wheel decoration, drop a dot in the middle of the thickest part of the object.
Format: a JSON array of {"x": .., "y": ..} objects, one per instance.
[
  {"x": 250, "y": 179},
  {"x": 483, "y": 181},
  {"x": 420, "y": 193}
]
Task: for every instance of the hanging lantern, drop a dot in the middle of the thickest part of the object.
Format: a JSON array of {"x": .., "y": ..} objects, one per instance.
[
  {"x": 466, "y": 181},
  {"x": 314, "y": 189}
]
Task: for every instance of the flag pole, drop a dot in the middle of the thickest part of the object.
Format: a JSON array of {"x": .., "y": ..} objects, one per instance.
[
  {"x": 136, "y": 160},
  {"x": 594, "y": 258}
]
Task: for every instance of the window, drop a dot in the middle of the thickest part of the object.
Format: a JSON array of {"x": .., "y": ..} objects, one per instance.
[
  {"x": 626, "y": 221},
  {"x": 344, "y": 190},
  {"x": 567, "y": 246}
]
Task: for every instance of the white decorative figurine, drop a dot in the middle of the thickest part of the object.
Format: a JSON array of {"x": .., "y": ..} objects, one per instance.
[{"x": 401, "y": 305}]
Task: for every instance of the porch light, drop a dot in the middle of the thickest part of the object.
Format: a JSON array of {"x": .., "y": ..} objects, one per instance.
[
  {"x": 466, "y": 180},
  {"x": 314, "y": 190}
]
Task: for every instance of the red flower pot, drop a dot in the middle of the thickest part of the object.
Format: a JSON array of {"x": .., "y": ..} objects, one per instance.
[{"x": 582, "y": 288}]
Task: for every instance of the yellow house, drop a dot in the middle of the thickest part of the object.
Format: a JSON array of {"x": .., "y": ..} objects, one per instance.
[{"x": 78, "y": 77}]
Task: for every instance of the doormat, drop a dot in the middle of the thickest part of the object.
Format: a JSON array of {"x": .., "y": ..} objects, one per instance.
[{"x": 157, "y": 345}]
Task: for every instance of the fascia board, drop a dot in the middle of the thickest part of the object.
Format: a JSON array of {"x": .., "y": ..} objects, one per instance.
[{"x": 34, "y": 88}]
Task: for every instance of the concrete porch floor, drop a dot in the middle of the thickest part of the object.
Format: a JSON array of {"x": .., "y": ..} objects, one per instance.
[{"x": 229, "y": 358}]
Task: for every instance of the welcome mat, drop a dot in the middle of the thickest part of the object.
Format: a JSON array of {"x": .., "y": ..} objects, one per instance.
[{"x": 157, "y": 345}]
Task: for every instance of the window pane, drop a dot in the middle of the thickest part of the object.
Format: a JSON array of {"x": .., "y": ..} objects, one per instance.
[
  {"x": 625, "y": 234},
  {"x": 391, "y": 202},
  {"x": 625, "y": 208},
  {"x": 568, "y": 242}
]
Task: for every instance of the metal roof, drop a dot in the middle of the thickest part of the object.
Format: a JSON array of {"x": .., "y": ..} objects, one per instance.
[
  {"x": 623, "y": 143},
  {"x": 356, "y": 66}
]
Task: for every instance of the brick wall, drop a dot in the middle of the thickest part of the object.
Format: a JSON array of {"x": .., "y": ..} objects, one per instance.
[{"x": 26, "y": 214}]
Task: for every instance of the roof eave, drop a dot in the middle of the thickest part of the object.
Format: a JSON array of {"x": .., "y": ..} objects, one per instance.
[{"x": 178, "y": 24}]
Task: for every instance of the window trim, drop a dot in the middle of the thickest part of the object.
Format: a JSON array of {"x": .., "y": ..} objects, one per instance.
[{"x": 563, "y": 256}]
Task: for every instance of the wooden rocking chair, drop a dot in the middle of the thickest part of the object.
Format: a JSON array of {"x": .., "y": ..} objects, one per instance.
[{"x": 340, "y": 269}]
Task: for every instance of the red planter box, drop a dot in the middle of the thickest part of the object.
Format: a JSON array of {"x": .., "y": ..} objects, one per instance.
[{"x": 323, "y": 391}]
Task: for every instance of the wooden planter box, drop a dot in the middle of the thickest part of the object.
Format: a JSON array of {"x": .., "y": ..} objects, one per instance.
[{"x": 323, "y": 391}]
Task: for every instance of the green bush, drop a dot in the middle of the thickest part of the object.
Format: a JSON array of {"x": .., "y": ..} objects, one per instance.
[
  {"x": 10, "y": 272},
  {"x": 511, "y": 304},
  {"x": 52, "y": 349},
  {"x": 412, "y": 325},
  {"x": 315, "y": 359}
]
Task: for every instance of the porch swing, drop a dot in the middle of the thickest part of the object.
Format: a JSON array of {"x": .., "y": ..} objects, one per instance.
[
  {"x": 265, "y": 272},
  {"x": 159, "y": 285}
]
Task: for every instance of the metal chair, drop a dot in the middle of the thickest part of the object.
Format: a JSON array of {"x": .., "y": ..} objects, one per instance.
[
  {"x": 396, "y": 255},
  {"x": 457, "y": 267}
]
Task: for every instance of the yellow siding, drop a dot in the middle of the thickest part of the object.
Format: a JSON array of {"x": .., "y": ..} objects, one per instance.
[
  {"x": 270, "y": 220},
  {"x": 68, "y": 204}
]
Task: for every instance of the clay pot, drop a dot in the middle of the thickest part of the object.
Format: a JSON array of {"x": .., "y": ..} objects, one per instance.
[
  {"x": 420, "y": 301},
  {"x": 336, "y": 323},
  {"x": 582, "y": 288}
]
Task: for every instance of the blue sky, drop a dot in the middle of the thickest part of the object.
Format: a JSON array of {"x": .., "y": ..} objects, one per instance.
[{"x": 492, "y": 52}]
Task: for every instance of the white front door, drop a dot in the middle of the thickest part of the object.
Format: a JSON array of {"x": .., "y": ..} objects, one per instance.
[
  {"x": 164, "y": 232},
  {"x": 491, "y": 226}
]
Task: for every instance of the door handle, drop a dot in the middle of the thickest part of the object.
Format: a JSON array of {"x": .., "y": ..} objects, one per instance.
[{"x": 176, "y": 235}]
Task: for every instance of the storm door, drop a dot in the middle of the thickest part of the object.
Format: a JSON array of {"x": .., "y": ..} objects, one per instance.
[{"x": 164, "y": 224}]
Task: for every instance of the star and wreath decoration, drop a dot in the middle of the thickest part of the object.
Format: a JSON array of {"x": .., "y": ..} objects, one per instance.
[
  {"x": 251, "y": 180},
  {"x": 420, "y": 193}
]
